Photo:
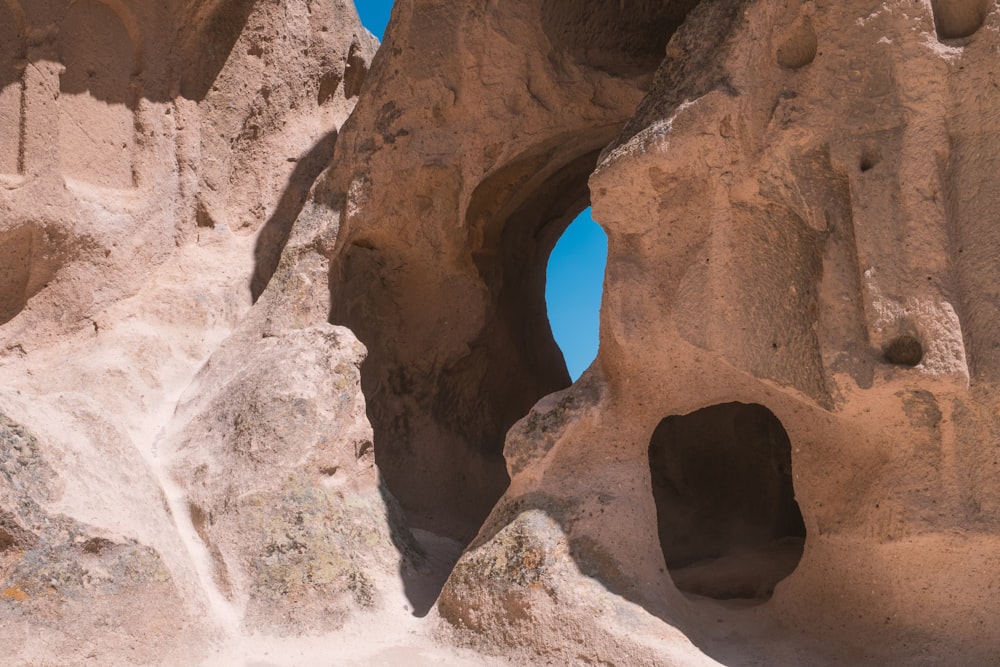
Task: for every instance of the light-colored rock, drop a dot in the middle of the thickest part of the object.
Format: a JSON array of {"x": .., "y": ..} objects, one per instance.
[
  {"x": 785, "y": 452},
  {"x": 154, "y": 157},
  {"x": 276, "y": 458},
  {"x": 798, "y": 219}
]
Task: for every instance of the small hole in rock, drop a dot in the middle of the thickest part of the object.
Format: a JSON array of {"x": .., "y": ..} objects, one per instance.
[
  {"x": 955, "y": 19},
  {"x": 868, "y": 160},
  {"x": 96, "y": 545},
  {"x": 798, "y": 48},
  {"x": 904, "y": 350},
  {"x": 6, "y": 540}
]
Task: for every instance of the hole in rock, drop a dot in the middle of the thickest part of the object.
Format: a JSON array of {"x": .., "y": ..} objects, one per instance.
[
  {"x": 574, "y": 282},
  {"x": 869, "y": 158},
  {"x": 440, "y": 429},
  {"x": 459, "y": 341},
  {"x": 905, "y": 350},
  {"x": 727, "y": 518},
  {"x": 798, "y": 48},
  {"x": 955, "y": 19}
]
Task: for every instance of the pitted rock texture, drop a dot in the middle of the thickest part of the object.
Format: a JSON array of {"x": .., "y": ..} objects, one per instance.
[
  {"x": 62, "y": 581},
  {"x": 277, "y": 459},
  {"x": 258, "y": 283},
  {"x": 797, "y": 213}
]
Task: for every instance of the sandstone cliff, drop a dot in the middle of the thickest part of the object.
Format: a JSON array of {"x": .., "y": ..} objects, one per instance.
[{"x": 275, "y": 353}]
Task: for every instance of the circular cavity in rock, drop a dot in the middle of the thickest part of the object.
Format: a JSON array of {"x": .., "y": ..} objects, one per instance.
[{"x": 904, "y": 350}]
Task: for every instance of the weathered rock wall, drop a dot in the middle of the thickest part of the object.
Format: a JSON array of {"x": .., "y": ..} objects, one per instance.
[
  {"x": 154, "y": 157},
  {"x": 785, "y": 452},
  {"x": 450, "y": 198},
  {"x": 797, "y": 221}
]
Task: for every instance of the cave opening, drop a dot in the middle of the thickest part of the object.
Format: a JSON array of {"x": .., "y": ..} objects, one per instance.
[
  {"x": 574, "y": 283},
  {"x": 728, "y": 522}
]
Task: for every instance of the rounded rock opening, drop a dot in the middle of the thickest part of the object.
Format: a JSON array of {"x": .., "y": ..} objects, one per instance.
[
  {"x": 728, "y": 522},
  {"x": 574, "y": 283},
  {"x": 905, "y": 350}
]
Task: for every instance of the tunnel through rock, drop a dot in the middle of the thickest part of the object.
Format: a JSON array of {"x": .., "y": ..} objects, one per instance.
[
  {"x": 439, "y": 267},
  {"x": 728, "y": 522},
  {"x": 439, "y": 428}
]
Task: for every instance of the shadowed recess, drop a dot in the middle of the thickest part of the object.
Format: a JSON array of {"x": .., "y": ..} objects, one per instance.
[
  {"x": 601, "y": 34},
  {"x": 28, "y": 261},
  {"x": 274, "y": 234},
  {"x": 443, "y": 278},
  {"x": 206, "y": 51},
  {"x": 97, "y": 97},
  {"x": 727, "y": 518},
  {"x": 955, "y": 19}
]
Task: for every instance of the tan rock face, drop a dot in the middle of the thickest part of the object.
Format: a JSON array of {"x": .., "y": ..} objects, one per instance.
[
  {"x": 798, "y": 237},
  {"x": 496, "y": 154},
  {"x": 785, "y": 452},
  {"x": 153, "y": 158}
]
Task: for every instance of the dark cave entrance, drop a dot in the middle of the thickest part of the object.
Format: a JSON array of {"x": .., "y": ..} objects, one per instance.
[{"x": 727, "y": 518}]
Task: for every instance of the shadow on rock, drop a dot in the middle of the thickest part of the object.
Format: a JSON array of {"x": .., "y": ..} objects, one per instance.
[{"x": 274, "y": 234}]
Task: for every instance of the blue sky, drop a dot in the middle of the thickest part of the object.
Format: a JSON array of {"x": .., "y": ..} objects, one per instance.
[
  {"x": 374, "y": 14},
  {"x": 575, "y": 274},
  {"x": 573, "y": 284}
]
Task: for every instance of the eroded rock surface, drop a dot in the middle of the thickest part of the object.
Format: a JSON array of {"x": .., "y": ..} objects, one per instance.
[
  {"x": 277, "y": 458},
  {"x": 796, "y": 213},
  {"x": 237, "y": 326}
]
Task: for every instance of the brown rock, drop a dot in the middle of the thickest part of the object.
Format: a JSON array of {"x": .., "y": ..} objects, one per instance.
[
  {"x": 785, "y": 452},
  {"x": 797, "y": 215}
]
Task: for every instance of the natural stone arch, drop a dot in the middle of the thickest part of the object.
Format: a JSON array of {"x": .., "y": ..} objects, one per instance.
[
  {"x": 439, "y": 263},
  {"x": 100, "y": 50},
  {"x": 449, "y": 422},
  {"x": 12, "y": 58}
]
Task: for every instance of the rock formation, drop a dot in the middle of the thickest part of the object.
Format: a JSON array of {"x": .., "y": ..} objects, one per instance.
[{"x": 275, "y": 349}]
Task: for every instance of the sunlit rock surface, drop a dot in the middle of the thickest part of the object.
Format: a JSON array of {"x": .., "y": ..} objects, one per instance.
[{"x": 278, "y": 385}]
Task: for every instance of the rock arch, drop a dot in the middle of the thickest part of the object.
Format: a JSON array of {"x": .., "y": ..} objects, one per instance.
[
  {"x": 12, "y": 56},
  {"x": 101, "y": 52}
]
